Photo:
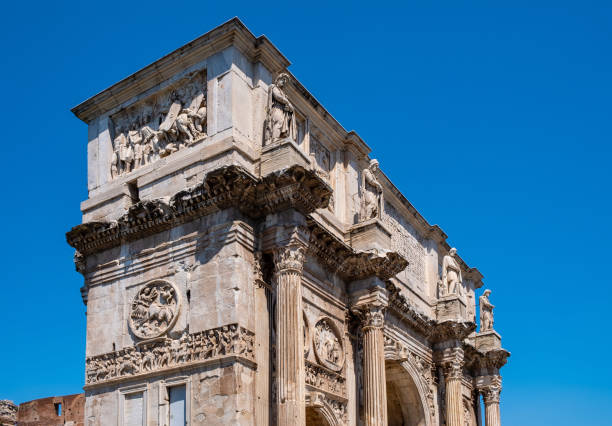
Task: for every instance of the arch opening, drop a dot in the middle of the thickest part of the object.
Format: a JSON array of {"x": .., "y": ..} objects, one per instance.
[{"x": 404, "y": 401}]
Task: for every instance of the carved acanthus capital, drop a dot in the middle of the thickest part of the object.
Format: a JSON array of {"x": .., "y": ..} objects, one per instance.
[
  {"x": 373, "y": 316},
  {"x": 290, "y": 258},
  {"x": 370, "y": 308},
  {"x": 490, "y": 387},
  {"x": 452, "y": 363}
]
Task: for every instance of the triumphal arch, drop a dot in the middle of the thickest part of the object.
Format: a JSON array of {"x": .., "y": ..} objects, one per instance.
[{"x": 247, "y": 262}]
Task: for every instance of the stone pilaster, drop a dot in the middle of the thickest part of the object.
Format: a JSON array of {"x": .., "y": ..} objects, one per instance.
[
  {"x": 453, "y": 374},
  {"x": 371, "y": 309},
  {"x": 288, "y": 263},
  {"x": 490, "y": 395}
]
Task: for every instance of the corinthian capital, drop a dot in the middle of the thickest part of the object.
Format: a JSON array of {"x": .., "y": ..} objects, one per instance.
[
  {"x": 373, "y": 316},
  {"x": 370, "y": 304},
  {"x": 452, "y": 363},
  {"x": 290, "y": 258},
  {"x": 490, "y": 388}
]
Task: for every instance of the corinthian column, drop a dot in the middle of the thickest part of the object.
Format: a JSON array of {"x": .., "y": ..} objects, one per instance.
[
  {"x": 453, "y": 373},
  {"x": 288, "y": 262},
  {"x": 374, "y": 380},
  {"x": 369, "y": 301},
  {"x": 490, "y": 394}
]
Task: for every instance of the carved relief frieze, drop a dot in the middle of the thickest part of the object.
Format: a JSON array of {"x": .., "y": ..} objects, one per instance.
[
  {"x": 328, "y": 345},
  {"x": 325, "y": 380},
  {"x": 159, "y": 125},
  {"x": 154, "y": 309},
  {"x": 229, "y": 340},
  {"x": 405, "y": 241},
  {"x": 321, "y": 157}
]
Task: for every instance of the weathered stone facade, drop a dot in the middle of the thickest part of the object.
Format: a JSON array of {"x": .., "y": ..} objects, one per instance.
[{"x": 241, "y": 250}]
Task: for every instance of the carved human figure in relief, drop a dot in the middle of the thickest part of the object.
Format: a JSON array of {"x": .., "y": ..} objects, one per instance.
[
  {"x": 486, "y": 312},
  {"x": 451, "y": 273},
  {"x": 328, "y": 346},
  {"x": 159, "y": 126},
  {"x": 372, "y": 193},
  {"x": 280, "y": 119},
  {"x": 154, "y": 310}
]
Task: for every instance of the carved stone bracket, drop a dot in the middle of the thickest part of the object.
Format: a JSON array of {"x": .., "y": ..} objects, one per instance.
[
  {"x": 190, "y": 349},
  {"x": 230, "y": 186}
]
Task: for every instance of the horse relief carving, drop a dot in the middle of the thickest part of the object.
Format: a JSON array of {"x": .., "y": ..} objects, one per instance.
[
  {"x": 154, "y": 309},
  {"x": 160, "y": 125},
  {"x": 328, "y": 345}
]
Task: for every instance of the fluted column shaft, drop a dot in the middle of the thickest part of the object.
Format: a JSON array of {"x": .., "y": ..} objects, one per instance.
[
  {"x": 454, "y": 399},
  {"x": 374, "y": 380},
  {"x": 490, "y": 395},
  {"x": 289, "y": 336}
]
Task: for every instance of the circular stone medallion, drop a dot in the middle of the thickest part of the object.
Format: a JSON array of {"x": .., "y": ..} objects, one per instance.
[
  {"x": 154, "y": 309},
  {"x": 328, "y": 345}
]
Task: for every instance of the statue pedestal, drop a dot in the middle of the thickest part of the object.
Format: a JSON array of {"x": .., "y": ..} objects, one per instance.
[
  {"x": 370, "y": 234},
  {"x": 282, "y": 155},
  {"x": 451, "y": 308},
  {"x": 487, "y": 341}
]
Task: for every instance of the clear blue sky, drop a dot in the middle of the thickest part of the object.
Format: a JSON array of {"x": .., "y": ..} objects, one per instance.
[{"x": 494, "y": 121}]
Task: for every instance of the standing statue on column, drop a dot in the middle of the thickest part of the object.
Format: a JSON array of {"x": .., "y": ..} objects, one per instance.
[
  {"x": 372, "y": 193},
  {"x": 486, "y": 312},
  {"x": 280, "y": 113},
  {"x": 451, "y": 273}
]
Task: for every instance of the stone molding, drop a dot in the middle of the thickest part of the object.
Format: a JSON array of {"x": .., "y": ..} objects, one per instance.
[
  {"x": 229, "y": 186},
  {"x": 204, "y": 347},
  {"x": 233, "y": 32},
  {"x": 399, "y": 304}
]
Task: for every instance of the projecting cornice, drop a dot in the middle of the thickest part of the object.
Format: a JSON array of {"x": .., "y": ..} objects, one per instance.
[
  {"x": 350, "y": 264},
  {"x": 488, "y": 362},
  {"x": 231, "y": 33},
  {"x": 230, "y": 186}
]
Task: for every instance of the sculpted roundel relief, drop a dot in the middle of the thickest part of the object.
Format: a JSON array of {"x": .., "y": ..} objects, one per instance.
[
  {"x": 328, "y": 345},
  {"x": 154, "y": 309}
]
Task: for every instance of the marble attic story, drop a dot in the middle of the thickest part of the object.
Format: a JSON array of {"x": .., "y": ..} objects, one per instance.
[{"x": 246, "y": 261}]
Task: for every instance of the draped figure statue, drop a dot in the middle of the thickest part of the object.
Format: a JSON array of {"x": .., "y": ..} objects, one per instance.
[
  {"x": 486, "y": 312},
  {"x": 451, "y": 273},
  {"x": 280, "y": 119}
]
